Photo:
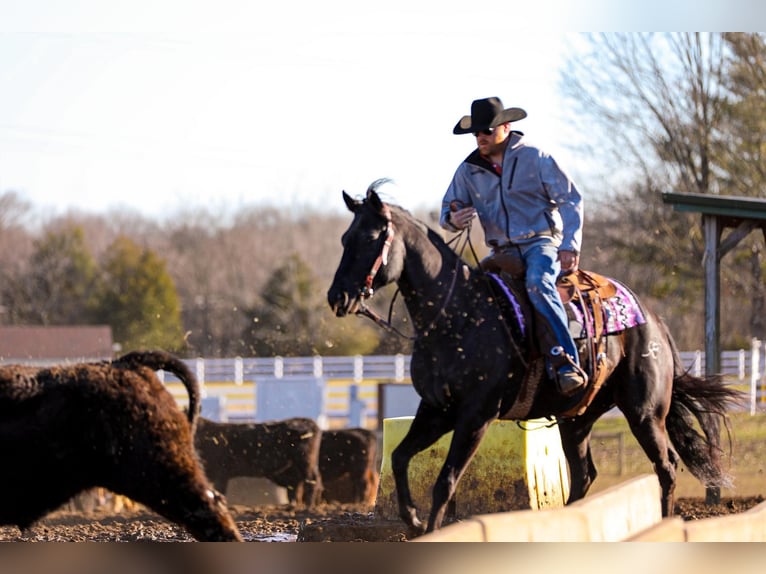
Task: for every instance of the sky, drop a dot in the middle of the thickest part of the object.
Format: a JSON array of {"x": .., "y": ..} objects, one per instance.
[{"x": 160, "y": 105}]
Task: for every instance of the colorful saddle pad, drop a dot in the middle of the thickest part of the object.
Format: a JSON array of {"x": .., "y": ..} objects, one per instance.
[{"x": 620, "y": 312}]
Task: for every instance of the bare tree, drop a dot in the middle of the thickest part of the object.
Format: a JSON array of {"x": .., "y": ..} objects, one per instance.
[
  {"x": 656, "y": 99},
  {"x": 655, "y": 108},
  {"x": 15, "y": 237}
]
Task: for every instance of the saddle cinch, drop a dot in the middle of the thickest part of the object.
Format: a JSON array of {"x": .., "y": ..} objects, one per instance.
[{"x": 586, "y": 289}]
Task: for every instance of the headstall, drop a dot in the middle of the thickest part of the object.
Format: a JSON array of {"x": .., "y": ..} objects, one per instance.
[{"x": 382, "y": 258}]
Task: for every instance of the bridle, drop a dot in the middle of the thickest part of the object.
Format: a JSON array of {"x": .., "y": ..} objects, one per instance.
[
  {"x": 382, "y": 258},
  {"x": 366, "y": 292}
]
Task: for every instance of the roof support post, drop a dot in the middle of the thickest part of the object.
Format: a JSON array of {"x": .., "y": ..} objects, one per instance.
[{"x": 712, "y": 261}]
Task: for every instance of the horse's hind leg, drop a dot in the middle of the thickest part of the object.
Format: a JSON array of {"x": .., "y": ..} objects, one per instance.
[
  {"x": 650, "y": 433},
  {"x": 427, "y": 427},
  {"x": 645, "y": 397}
]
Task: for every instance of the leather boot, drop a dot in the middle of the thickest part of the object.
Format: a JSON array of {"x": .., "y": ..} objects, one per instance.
[{"x": 570, "y": 381}]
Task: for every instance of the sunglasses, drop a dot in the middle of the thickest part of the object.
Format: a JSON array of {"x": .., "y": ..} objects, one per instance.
[{"x": 487, "y": 132}]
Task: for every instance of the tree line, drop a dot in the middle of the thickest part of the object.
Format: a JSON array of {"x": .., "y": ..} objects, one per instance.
[
  {"x": 663, "y": 112},
  {"x": 251, "y": 283}
]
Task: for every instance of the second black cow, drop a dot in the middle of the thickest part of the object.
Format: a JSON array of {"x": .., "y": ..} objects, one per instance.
[
  {"x": 285, "y": 452},
  {"x": 348, "y": 465}
]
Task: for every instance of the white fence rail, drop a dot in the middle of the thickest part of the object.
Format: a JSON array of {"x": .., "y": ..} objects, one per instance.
[{"x": 351, "y": 383}]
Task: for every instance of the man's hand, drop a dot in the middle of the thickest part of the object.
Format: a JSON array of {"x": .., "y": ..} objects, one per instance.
[
  {"x": 462, "y": 217},
  {"x": 569, "y": 261}
]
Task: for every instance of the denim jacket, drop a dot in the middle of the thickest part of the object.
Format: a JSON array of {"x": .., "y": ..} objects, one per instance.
[{"x": 533, "y": 197}]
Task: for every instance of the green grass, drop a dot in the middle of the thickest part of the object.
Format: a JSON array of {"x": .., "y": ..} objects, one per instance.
[{"x": 618, "y": 456}]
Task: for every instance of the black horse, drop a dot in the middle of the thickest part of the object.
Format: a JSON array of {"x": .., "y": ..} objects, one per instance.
[{"x": 469, "y": 363}]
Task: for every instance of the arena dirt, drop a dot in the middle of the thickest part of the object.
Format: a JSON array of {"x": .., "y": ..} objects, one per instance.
[{"x": 278, "y": 523}]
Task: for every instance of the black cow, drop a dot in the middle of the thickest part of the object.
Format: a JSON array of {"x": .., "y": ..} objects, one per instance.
[
  {"x": 348, "y": 465},
  {"x": 285, "y": 452},
  {"x": 112, "y": 424}
]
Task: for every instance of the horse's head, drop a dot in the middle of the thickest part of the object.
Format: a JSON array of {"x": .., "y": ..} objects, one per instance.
[{"x": 368, "y": 245}]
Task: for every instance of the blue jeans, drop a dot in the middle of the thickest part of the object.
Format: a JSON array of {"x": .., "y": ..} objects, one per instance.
[{"x": 543, "y": 268}]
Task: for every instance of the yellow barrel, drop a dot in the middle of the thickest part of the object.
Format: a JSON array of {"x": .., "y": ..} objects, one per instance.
[{"x": 514, "y": 469}]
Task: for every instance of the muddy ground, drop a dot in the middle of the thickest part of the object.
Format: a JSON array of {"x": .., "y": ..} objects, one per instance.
[{"x": 277, "y": 523}]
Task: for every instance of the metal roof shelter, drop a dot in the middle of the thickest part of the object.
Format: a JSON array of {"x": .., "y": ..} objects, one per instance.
[{"x": 741, "y": 215}]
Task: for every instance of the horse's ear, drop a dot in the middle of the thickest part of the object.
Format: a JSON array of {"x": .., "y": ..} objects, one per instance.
[
  {"x": 374, "y": 199},
  {"x": 350, "y": 202}
]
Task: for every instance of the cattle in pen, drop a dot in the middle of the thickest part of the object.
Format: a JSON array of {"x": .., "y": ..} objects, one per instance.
[
  {"x": 286, "y": 452},
  {"x": 112, "y": 424},
  {"x": 348, "y": 465}
]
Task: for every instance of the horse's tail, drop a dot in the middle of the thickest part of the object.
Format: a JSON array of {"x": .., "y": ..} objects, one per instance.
[{"x": 708, "y": 400}]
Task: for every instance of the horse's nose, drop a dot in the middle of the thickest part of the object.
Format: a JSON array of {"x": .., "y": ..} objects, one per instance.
[{"x": 338, "y": 300}]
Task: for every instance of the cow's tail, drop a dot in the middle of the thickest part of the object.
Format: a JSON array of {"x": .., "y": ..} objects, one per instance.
[{"x": 160, "y": 360}]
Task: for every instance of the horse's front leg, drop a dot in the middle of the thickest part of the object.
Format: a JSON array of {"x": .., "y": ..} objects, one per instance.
[
  {"x": 427, "y": 427},
  {"x": 465, "y": 443},
  {"x": 575, "y": 442}
]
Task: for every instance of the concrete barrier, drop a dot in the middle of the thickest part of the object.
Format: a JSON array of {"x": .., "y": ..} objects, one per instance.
[
  {"x": 623, "y": 510},
  {"x": 668, "y": 530},
  {"x": 550, "y": 525},
  {"x": 747, "y": 526},
  {"x": 514, "y": 468},
  {"x": 609, "y": 516}
]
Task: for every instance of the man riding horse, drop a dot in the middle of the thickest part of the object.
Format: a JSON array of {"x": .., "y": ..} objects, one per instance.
[{"x": 532, "y": 216}]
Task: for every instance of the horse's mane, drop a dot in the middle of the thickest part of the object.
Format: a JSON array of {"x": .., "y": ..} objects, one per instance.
[
  {"x": 404, "y": 213},
  {"x": 433, "y": 236}
]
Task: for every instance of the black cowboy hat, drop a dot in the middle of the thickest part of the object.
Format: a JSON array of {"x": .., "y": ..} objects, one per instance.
[{"x": 485, "y": 114}]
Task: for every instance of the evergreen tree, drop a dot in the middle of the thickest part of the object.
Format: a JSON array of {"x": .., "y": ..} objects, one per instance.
[
  {"x": 138, "y": 298},
  {"x": 295, "y": 320},
  {"x": 742, "y": 167},
  {"x": 58, "y": 284},
  {"x": 742, "y": 134}
]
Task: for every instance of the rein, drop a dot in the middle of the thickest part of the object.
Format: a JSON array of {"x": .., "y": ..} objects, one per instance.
[
  {"x": 365, "y": 311},
  {"x": 382, "y": 259}
]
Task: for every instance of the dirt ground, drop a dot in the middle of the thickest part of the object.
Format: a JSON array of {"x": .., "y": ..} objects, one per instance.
[{"x": 277, "y": 523}]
